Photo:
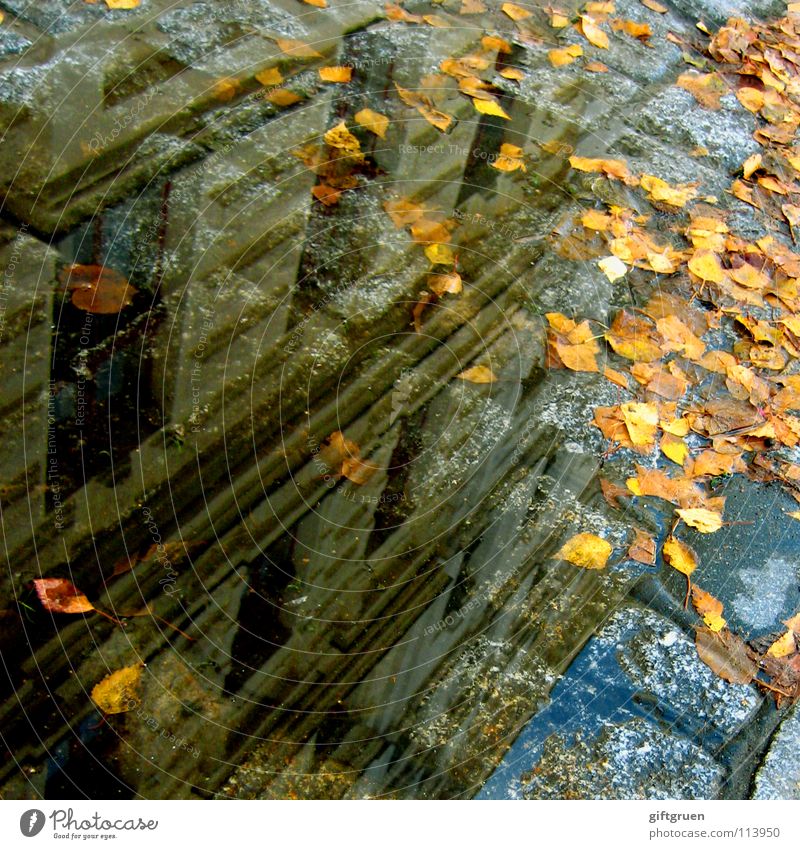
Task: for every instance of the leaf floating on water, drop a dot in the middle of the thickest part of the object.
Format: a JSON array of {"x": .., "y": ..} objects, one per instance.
[
  {"x": 373, "y": 121},
  {"x": 490, "y": 107},
  {"x": 613, "y": 268},
  {"x": 117, "y": 692},
  {"x": 345, "y": 455},
  {"x": 425, "y": 107},
  {"x": 97, "y": 289},
  {"x": 58, "y": 595},
  {"x": 726, "y": 655},
  {"x": 510, "y": 158},
  {"x": 478, "y": 374},
  {"x": 586, "y": 550}
]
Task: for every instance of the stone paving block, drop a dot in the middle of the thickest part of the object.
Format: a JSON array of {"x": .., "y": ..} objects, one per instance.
[{"x": 779, "y": 774}]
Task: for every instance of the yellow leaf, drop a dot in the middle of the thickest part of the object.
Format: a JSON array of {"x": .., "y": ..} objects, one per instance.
[
  {"x": 292, "y": 47},
  {"x": 226, "y": 89},
  {"x": 564, "y": 55},
  {"x": 512, "y": 74},
  {"x": 441, "y": 284},
  {"x": 613, "y": 268},
  {"x": 490, "y": 107},
  {"x": 707, "y": 266},
  {"x": 510, "y": 158},
  {"x": 783, "y": 646},
  {"x": 269, "y": 76},
  {"x": 655, "y": 6},
  {"x": 342, "y": 139},
  {"x": 116, "y": 693},
  {"x": 122, "y": 4},
  {"x": 492, "y": 42},
  {"x": 516, "y": 13},
  {"x": 283, "y": 97},
  {"x": 641, "y": 421},
  {"x": 586, "y": 550},
  {"x": 440, "y": 254},
  {"x": 425, "y": 107},
  {"x": 705, "y": 521},
  {"x": 373, "y": 121},
  {"x": 478, "y": 374},
  {"x": 660, "y": 191},
  {"x": 320, "y": 4},
  {"x": 336, "y": 74},
  {"x": 709, "y": 608},
  {"x": 679, "y": 556},
  {"x": 674, "y": 448},
  {"x": 594, "y": 35}
]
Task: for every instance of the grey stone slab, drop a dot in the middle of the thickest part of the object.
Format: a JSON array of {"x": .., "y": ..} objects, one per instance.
[{"x": 779, "y": 774}]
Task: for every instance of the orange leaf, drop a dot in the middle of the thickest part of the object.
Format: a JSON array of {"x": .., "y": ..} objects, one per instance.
[
  {"x": 58, "y": 595},
  {"x": 478, "y": 374},
  {"x": 586, "y": 550}
]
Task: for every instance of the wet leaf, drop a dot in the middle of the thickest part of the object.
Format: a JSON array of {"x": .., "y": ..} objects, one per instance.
[
  {"x": 490, "y": 107},
  {"x": 326, "y": 194},
  {"x": 783, "y": 646},
  {"x": 425, "y": 107},
  {"x": 586, "y": 550},
  {"x": 705, "y": 521},
  {"x": 564, "y": 55},
  {"x": 122, "y": 4},
  {"x": 117, "y": 692},
  {"x": 613, "y": 268},
  {"x": 510, "y": 158},
  {"x": 440, "y": 254},
  {"x": 707, "y": 266},
  {"x": 441, "y": 284},
  {"x": 97, "y": 289},
  {"x": 641, "y": 32},
  {"x": 478, "y": 374},
  {"x": 283, "y": 97},
  {"x": 342, "y": 454},
  {"x": 594, "y": 35},
  {"x": 336, "y": 74},
  {"x": 341, "y": 138},
  {"x": 320, "y": 4},
  {"x": 58, "y": 595},
  {"x": 493, "y": 42},
  {"x": 660, "y": 191},
  {"x": 642, "y": 423},
  {"x": 292, "y": 47},
  {"x": 516, "y": 13},
  {"x": 679, "y": 556},
  {"x": 269, "y": 76},
  {"x": 709, "y": 608},
  {"x": 674, "y": 448},
  {"x": 706, "y": 88},
  {"x": 596, "y": 68},
  {"x": 610, "y": 167},
  {"x": 655, "y": 6},
  {"x": 726, "y": 655},
  {"x": 373, "y": 121},
  {"x": 643, "y": 548}
]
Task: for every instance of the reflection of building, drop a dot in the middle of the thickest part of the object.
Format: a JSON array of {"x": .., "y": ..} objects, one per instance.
[{"x": 315, "y": 607}]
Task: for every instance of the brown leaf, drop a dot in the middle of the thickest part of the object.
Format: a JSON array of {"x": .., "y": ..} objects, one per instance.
[
  {"x": 643, "y": 548},
  {"x": 97, "y": 289},
  {"x": 59, "y": 595},
  {"x": 726, "y": 655},
  {"x": 709, "y": 608}
]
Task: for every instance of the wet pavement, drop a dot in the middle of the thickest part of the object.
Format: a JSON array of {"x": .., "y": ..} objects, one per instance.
[{"x": 406, "y": 634}]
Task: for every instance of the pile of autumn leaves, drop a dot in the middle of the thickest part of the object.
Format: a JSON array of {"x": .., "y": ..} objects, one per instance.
[{"x": 734, "y": 406}]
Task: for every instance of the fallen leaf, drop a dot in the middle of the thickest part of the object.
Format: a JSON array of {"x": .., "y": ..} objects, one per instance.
[
  {"x": 660, "y": 191},
  {"x": 490, "y": 107},
  {"x": 783, "y": 646},
  {"x": 425, "y": 107},
  {"x": 705, "y": 521},
  {"x": 655, "y": 6},
  {"x": 97, "y": 289},
  {"x": 440, "y": 254},
  {"x": 122, "y": 4},
  {"x": 509, "y": 159},
  {"x": 674, "y": 448},
  {"x": 320, "y": 4},
  {"x": 117, "y": 692},
  {"x": 341, "y": 138},
  {"x": 594, "y": 35},
  {"x": 292, "y": 47},
  {"x": 269, "y": 76},
  {"x": 336, "y": 74},
  {"x": 373, "y": 121},
  {"x": 441, "y": 284},
  {"x": 709, "y": 608},
  {"x": 516, "y": 13},
  {"x": 58, "y": 595},
  {"x": 493, "y": 42},
  {"x": 342, "y": 454},
  {"x": 283, "y": 97},
  {"x": 610, "y": 167},
  {"x": 564, "y": 55},
  {"x": 478, "y": 374},
  {"x": 643, "y": 548},
  {"x": 613, "y": 268},
  {"x": 642, "y": 423},
  {"x": 726, "y": 655},
  {"x": 679, "y": 556},
  {"x": 586, "y": 550}
]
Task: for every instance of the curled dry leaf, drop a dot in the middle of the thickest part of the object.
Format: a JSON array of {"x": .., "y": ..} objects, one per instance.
[
  {"x": 58, "y": 595},
  {"x": 588, "y": 551},
  {"x": 117, "y": 692}
]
